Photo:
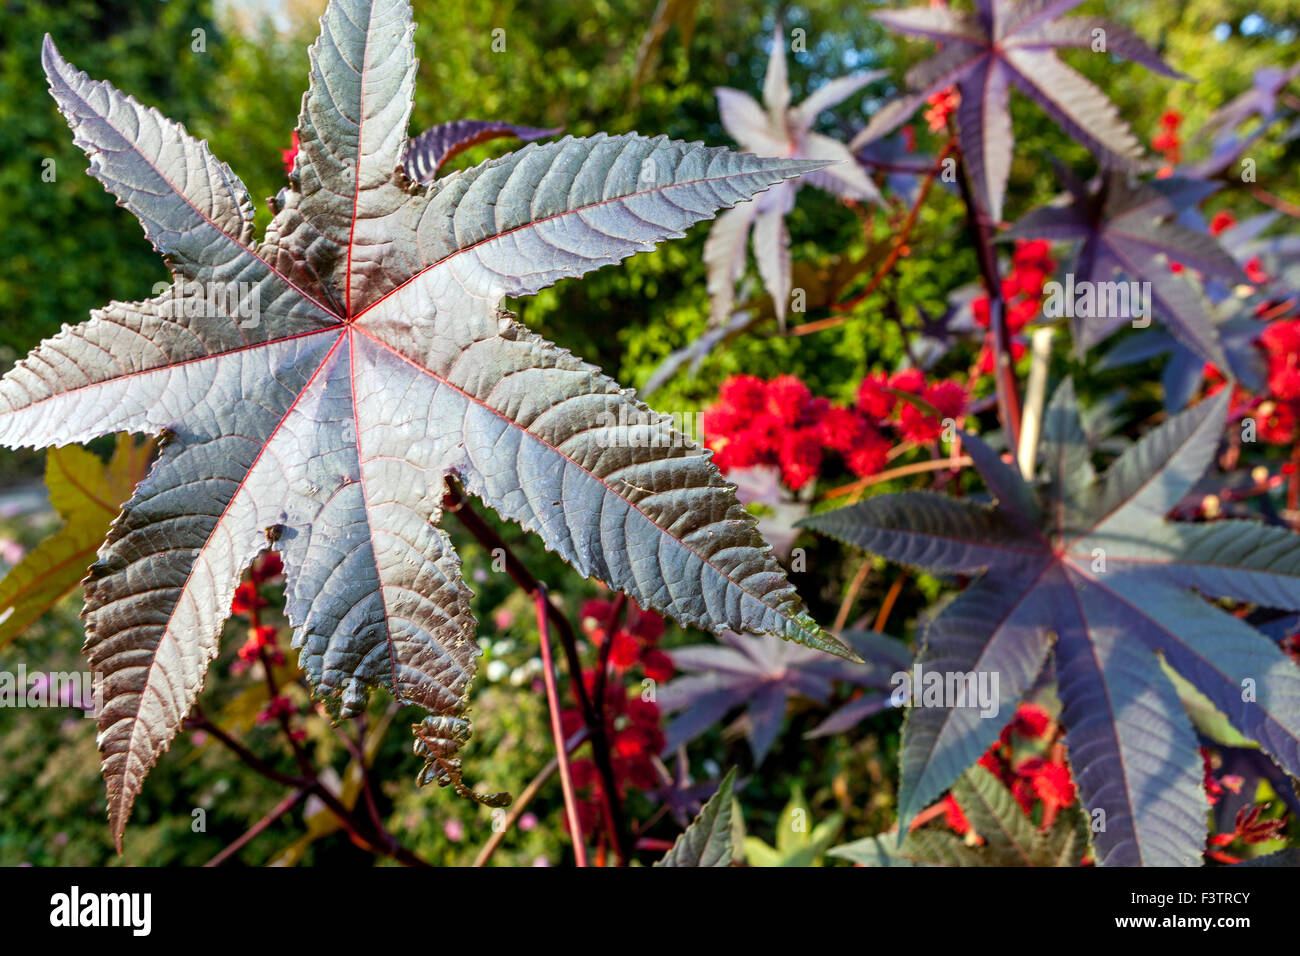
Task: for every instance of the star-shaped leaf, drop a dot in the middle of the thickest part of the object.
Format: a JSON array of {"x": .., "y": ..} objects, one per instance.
[
  {"x": 1126, "y": 232},
  {"x": 777, "y": 129},
  {"x": 1006, "y": 43},
  {"x": 1087, "y": 571},
  {"x": 760, "y": 675},
  {"x": 315, "y": 389}
]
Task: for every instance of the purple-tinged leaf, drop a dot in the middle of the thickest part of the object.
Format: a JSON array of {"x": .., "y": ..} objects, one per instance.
[
  {"x": 436, "y": 145},
  {"x": 1106, "y": 588},
  {"x": 1081, "y": 33},
  {"x": 984, "y": 122},
  {"x": 759, "y": 675},
  {"x": 1016, "y": 42},
  {"x": 1127, "y": 232},
  {"x": 936, "y": 23}
]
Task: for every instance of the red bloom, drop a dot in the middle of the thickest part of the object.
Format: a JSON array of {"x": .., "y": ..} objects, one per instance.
[
  {"x": 908, "y": 380},
  {"x": 275, "y": 708},
  {"x": 290, "y": 154},
  {"x": 1050, "y": 782},
  {"x": 1033, "y": 252},
  {"x": 1277, "y": 423},
  {"x": 801, "y": 457},
  {"x": 625, "y": 650},
  {"x": 941, "y": 106},
  {"x": 643, "y": 713},
  {"x": 1221, "y": 222},
  {"x": 246, "y": 599},
  {"x": 657, "y": 665},
  {"x": 948, "y": 399},
  {"x": 788, "y": 399},
  {"x": 266, "y": 567},
  {"x": 870, "y": 454},
  {"x": 1020, "y": 314},
  {"x": 954, "y": 816},
  {"x": 984, "y": 363},
  {"x": 1031, "y": 721},
  {"x": 1255, "y": 271},
  {"x": 744, "y": 394},
  {"x": 873, "y": 400}
]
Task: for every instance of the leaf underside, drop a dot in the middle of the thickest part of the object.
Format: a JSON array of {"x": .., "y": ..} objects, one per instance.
[{"x": 316, "y": 389}]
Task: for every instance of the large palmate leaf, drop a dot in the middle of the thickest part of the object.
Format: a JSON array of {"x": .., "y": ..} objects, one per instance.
[
  {"x": 760, "y": 675},
  {"x": 1088, "y": 571},
  {"x": 778, "y": 129},
  {"x": 88, "y": 495},
  {"x": 1009, "y": 837},
  {"x": 1126, "y": 232},
  {"x": 1006, "y": 43},
  {"x": 315, "y": 390}
]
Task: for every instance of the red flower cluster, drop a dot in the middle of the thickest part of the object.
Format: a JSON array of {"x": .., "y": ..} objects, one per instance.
[
  {"x": 290, "y": 154},
  {"x": 1016, "y": 759},
  {"x": 1167, "y": 142},
  {"x": 1278, "y": 413},
  {"x": 1022, "y": 291},
  {"x": 262, "y": 637},
  {"x": 1249, "y": 829},
  {"x": 635, "y": 734},
  {"x": 780, "y": 423},
  {"x": 1216, "y": 785},
  {"x": 248, "y": 601},
  {"x": 636, "y": 642},
  {"x": 941, "y": 106},
  {"x": 879, "y": 402},
  {"x": 632, "y": 725},
  {"x": 276, "y": 708}
]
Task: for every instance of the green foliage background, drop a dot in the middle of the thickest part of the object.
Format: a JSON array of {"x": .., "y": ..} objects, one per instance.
[{"x": 65, "y": 249}]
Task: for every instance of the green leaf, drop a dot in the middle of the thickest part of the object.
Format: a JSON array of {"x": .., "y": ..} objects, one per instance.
[
  {"x": 707, "y": 841},
  {"x": 1010, "y": 837}
]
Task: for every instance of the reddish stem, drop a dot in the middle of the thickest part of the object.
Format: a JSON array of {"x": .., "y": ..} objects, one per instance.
[{"x": 557, "y": 731}]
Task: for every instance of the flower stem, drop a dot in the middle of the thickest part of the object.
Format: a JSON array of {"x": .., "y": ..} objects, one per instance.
[{"x": 557, "y": 731}]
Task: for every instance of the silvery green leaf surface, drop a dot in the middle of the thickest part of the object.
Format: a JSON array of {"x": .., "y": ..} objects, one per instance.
[{"x": 356, "y": 358}]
